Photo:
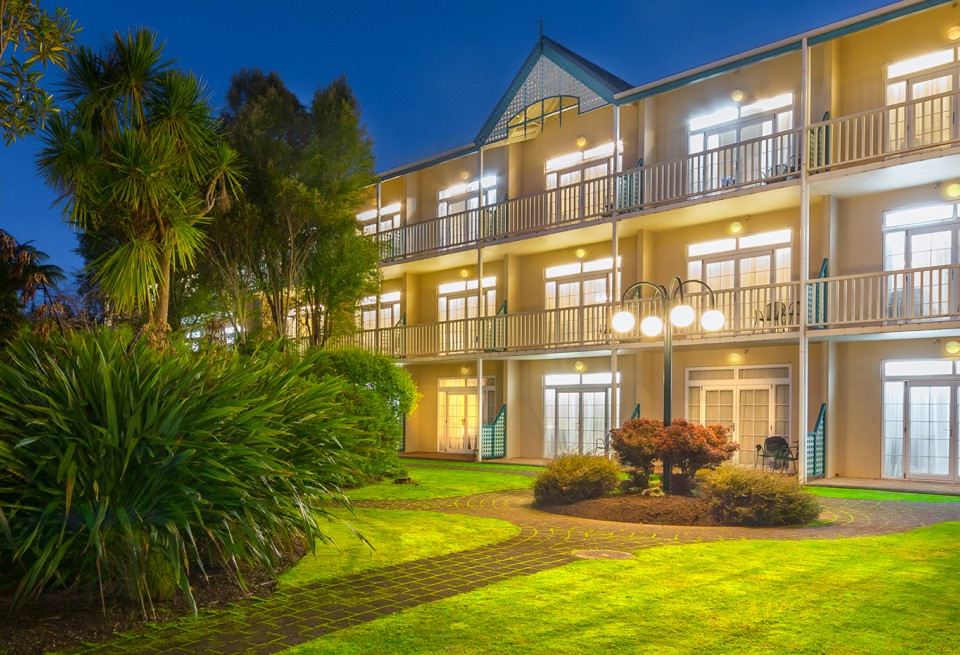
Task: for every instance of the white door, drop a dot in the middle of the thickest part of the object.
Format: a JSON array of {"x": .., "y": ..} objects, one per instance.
[
  {"x": 930, "y": 430},
  {"x": 925, "y": 292},
  {"x": 577, "y": 419}
]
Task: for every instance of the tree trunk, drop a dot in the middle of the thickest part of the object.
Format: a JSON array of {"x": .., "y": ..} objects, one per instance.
[{"x": 160, "y": 318}]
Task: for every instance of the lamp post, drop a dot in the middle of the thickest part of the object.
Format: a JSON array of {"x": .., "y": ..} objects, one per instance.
[{"x": 672, "y": 314}]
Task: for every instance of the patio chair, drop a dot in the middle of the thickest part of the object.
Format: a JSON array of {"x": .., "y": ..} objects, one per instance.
[{"x": 778, "y": 451}]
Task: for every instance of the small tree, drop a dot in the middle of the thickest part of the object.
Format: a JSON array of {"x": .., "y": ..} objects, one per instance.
[
  {"x": 636, "y": 444},
  {"x": 23, "y": 274},
  {"x": 691, "y": 447}
]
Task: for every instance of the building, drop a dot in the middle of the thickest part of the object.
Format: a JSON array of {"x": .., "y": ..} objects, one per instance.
[{"x": 814, "y": 184}]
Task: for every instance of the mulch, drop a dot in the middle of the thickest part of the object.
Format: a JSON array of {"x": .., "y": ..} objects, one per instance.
[
  {"x": 66, "y": 619},
  {"x": 630, "y": 508}
]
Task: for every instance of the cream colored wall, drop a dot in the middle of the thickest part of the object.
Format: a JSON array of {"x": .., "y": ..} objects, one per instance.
[
  {"x": 859, "y": 227},
  {"x": 858, "y": 413},
  {"x": 863, "y": 56},
  {"x": 672, "y": 111}
]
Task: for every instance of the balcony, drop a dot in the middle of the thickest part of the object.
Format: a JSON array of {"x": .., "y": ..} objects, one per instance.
[
  {"x": 751, "y": 311},
  {"x": 918, "y": 298},
  {"x": 710, "y": 173},
  {"x": 893, "y": 131}
]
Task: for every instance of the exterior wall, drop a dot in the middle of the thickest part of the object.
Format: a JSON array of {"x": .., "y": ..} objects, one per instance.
[
  {"x": 863, "y": 56},
  {"x": 858, "y": 412},
  {"x": 671, "y": 112}
]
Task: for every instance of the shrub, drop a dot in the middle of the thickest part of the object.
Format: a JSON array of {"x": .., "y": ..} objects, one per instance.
[
  {"x": 379, "y": 393},
  {"x": 739, "y": 496},
  {"x": 134, "y": 467},
  {"x": 637, "y": 445},
  {"x": 691, "y": 447},
  {"x": 572, "y": 478}
]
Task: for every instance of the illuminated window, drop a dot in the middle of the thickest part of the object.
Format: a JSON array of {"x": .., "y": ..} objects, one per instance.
[
  {"x": 389, "y": 311},
  {"x": 465, "y": 196},
  {"x": 920, "y": 109},
  {"x": 389, "y": 219}
]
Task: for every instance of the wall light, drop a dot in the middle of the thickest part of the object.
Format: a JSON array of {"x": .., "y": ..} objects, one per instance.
[
  {"x": 953, "y": 190},
  {"x": 581, "y": 142},
  {"x": 952, "y": 347},
  {"x": 953, "y": 33},
  {"x": 734, "y": 358},
  {"x": 464, "y": 175},
  {"x": 580, "y": 253},
  {"x": 736, "y": 227},
  {"x": 464, "y": 370},
  {"x": 464, "y": 273},
  {"x": 737, "y": 95},
  {"x": 579, "y": 366}
]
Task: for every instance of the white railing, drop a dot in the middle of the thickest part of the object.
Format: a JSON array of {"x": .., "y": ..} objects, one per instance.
[
  {"x": 757, "y": 161},
  {"x": 895, "y": 129},
  {"x": 750, "y": 310},
  {"x": 918, "y": 296}
]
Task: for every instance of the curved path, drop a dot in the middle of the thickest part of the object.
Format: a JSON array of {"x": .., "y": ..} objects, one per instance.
[{"x": 293, "y": 616}]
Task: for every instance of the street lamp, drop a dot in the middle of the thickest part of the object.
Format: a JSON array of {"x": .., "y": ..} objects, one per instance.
[{"x": 674, "y": 312}]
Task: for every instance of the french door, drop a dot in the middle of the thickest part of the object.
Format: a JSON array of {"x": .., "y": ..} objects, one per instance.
[
  {"x": 571, "y": 324},
  {"x": 924, "y": 293},
  {"x": 922, "y": 111},
  {"x": 454, "y": 311},
  {"x": 930, "y": 430},
  {"x": 457, "y": 413},
  {"x": 576, "y": 420},
  {"x": 574, "y": 199}
]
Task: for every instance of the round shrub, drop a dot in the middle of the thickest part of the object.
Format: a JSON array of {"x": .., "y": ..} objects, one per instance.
[
  {"x": 637, "y": 445},
  {"x": 572, "y": 478},
  {"x": 127, "y": 468},
  {"x": 739, "y": 496}
]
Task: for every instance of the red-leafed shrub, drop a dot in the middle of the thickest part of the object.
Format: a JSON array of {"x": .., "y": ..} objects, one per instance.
[
  {"x": 637, "y": 445},
  {"x": 691, "y": 447}
]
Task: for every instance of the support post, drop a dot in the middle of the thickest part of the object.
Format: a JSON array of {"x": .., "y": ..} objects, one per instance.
[
  {"x": 803, "y": 355},
  {"x": 615, "y": 278},
  {"x": 481, "y": 308}
]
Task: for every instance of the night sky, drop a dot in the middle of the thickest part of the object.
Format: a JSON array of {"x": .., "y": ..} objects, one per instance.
[{"x": 427, "y": 74}]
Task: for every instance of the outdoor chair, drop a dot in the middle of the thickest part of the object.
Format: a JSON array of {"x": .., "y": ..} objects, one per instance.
[{"x": 777, "y": 451}]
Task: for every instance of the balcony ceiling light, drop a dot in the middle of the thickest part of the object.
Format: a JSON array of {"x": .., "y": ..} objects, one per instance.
[
  {"x": 953, "y": 190},
  {"x": 954, "y": 33},
  {"x": 682, "y": 316},
  {"x": 737, "y": 95},
  {"x": 952, "y": 347}
]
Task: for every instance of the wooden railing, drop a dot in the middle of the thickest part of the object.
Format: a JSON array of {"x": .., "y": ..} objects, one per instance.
[
  {"x": 757, "y": 161},
  {"x": 914, "y": 296},
  {"x": 877, "y": 133}
]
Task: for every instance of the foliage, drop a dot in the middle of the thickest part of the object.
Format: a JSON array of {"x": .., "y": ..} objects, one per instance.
[
  {"x": 31, "y": 40},
  {"x": 688, "y": 446},
  {"x": 135, "y": 467},
  {"x": 378, "y": 392},
  {"x": 23, "y": 273},
  {"x": 691, "y": 447},
  {"x": 571, "y": 478},
  {"x": 738, "y": 496},
  {"x": 140, "y": 164},
  {"x": 637, "y": 445},
  {"x": 294, "y": 239}
]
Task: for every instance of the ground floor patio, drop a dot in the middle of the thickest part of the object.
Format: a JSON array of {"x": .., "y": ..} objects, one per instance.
[{"x": 416, "y": 606}]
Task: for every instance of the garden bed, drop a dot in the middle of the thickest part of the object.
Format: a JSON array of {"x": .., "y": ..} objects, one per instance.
[{"x": 626, "y": 508}]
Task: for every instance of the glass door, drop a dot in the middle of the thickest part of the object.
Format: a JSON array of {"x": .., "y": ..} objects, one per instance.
[
  {"x": 754, "y": 422},
  {"x": 930, "y": 444},
  {"x": 932, "y": 115},
  {"x": 459, "y": 433},
  {"x": 576, "y": 420}
]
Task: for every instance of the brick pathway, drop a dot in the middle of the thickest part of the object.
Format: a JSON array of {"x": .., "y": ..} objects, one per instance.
[{"x": 293, "y": 616}]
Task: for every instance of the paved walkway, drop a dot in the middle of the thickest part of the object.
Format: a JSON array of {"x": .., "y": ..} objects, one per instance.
[{"x": 293, "y": 616}]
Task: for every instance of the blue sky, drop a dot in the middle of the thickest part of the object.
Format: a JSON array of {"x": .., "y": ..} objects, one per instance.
[{"x": 427, "y": 74}]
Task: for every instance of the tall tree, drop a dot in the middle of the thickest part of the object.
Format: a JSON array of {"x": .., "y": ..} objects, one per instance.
[
  {"x": 31, "y": 40},
  {"x": 138, "y": 159},
  {"x": 24, "y": 272},
  {"x": 306, "y": 171}
]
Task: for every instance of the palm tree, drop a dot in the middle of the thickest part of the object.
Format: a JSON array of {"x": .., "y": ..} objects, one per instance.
[
  {"x": 23, "y": 273},
  {"x": 137, "y": 157}
]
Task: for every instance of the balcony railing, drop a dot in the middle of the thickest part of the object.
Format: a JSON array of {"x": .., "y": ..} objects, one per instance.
[
  {"x": 750, "y": 310},
  {"x": 877, "y": 133},
  {"x": 759, "y": 161},
  {"x": 921, "y": 297}
]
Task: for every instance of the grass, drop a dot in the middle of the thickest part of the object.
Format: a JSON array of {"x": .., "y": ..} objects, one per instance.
[
  {"x": 435, "y": 482},
  {"x": 722, "y": 598},
  {"x": 491, "y": 465},
  {"x": 396, "y": 536},
  {"x": 878, "y": 494}
]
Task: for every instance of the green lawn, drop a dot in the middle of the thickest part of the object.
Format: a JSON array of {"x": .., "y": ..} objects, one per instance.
[
  {"x": 435, "y": 482},
  {"x": 876, "y": 494},
  {"x": 490, "y": 465},
  {"x": 396, "y": 536},
  {"x": 721, "y": 598}
]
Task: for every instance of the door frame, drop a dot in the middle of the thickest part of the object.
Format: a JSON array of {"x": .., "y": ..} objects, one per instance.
[
  {"x": 580, "y": 390},
  {"x": 468, "y": 387},
  {"x": 952, "y": 475}
]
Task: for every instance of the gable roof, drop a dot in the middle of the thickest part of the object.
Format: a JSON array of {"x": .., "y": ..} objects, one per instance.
[{"x": 549, "y": 71}]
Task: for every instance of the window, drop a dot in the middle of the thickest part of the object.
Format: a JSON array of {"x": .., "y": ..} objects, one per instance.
[
  {"x": 762, "y": 127},
  {"x": 920, "y": 110},
  {"x": 579, "y": 283},
  {"x": 464, "y": 196},
  {"x": 389, "y": 311},
  {"x": 389, "y": 219},
  {"x": 567, "y": 172}
]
